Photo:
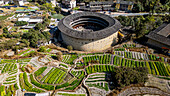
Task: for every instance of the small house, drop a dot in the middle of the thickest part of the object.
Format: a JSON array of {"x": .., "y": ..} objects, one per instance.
[
  {"x": 124, "y": 5},
  {"x": 160, "y": 37}
]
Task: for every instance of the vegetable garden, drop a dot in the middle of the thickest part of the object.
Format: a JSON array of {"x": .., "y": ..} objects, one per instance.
[
  {"x": 98, "y": 81},
  {"x": 102, "y": 59},
  {"x": 154, "y": 67}
]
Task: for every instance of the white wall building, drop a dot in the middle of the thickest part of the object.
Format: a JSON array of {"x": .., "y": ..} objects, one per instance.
[
  {"x": 53, "y": 2},
  {"x": 1, "y": 2},
  {"x": 72, "y": 3}
]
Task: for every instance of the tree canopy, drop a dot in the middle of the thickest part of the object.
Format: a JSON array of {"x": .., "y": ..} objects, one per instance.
[{"x": 124, "y": 76}]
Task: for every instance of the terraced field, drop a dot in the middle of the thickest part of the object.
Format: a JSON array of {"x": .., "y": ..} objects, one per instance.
[
  {"x": 10, "y": 67},
  {"x": 69, "y": 59},
  {"x": 102, "y": 59},
  {"x": 98, "y": 81},
  {"x": 154, "y": 67}
]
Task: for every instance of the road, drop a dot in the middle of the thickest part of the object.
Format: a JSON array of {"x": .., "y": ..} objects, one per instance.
[
  {"x": 116, "y": 14},
  {"x": 134, "y": 14}
]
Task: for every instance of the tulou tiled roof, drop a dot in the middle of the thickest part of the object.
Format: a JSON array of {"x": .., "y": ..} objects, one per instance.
[{"x": 113, "y": 26}]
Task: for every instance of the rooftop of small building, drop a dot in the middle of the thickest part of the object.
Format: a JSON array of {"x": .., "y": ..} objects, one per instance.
[
  {"x": 161, "y": 34},
  {"x": 125, "y": 2}
]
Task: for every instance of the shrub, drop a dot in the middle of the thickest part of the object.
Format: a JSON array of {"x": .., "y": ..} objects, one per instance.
[
  {"x": 69, "y": 48},
  {"x": 16, "y": 86},
  {"x": 42, "y": 49}
]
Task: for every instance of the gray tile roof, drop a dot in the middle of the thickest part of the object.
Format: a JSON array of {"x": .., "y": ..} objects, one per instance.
[
  {"x": 161, "y": 34},
  {"x": 125, "y": 2},
  {"x": 113, "y": 26}
]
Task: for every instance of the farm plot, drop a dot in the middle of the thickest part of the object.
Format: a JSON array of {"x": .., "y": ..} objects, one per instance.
[
  {"x": 78, "y": 74},
  {"x": 7, "y": 61},
  {"x": 25, "y": 84},
  {"x": 10, "y": 80},
  {"x": 101, "y": 59},
  {"x": 22, "y": 52},
  {"x": 54, "y": 76},
  {"x": 157, "y": 58},
  {"x": 10, "y": 91},
  {"x": 69, "y": 94},
  {"x": 128, "y": 45},
  {"x": 24, "y": 60},
  {"x": 57, "y": 76},
  {"x": 132, "y": 55},
  {"x": 40, "y": 71},
  {"x": 69, "y": 59},
  {"x": 154, "y": 67},
  {"x": 98, "y": 81},
  {"x": 74, "y": 84},
  {"x": 9, "y": 67},
  {"x": 28, "y": 53},
  {"x": 99, "y": 68},
  {"x": 43, "y": 86}
]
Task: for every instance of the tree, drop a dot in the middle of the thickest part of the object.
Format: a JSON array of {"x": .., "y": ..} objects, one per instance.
[
  {"x": 25, "y": 42},
  {"x": 138, "y": 7},
  {"x": 15, "y": 49},
  {"x": 123, "y": 76},
  {"x": 57, "y": 9},
  {"x": 39, "y": 26},
  {"x": 42, "y": 49},
  {"x": 5, "y": 30},
  {"x": 69, "y": 48}
]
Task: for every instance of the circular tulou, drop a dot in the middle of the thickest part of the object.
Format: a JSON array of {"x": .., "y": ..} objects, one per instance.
[{"x": 89, "y": 31}]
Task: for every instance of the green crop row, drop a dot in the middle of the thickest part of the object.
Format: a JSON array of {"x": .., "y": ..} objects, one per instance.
[
  {"x": 102, "y": 59},
  {"x": 40, "y": 71},
  {"x": 24, "y": 51},
  {"x": 154, "y": 67},
  {"x": 23, "y": 60},
  {"x": 9, "y": 67},
  {"x": 128, "y": 45},
  {"x": 67, "y": 94},
  {"x": 100, "y": 86},
  {"x": 46, "y": 75},
  {"x": 27, "y": 54},
  {"x": 64, "y": 65},
  {"x": 75, "y": 84},
  {"x": 24, "y": 84},
  {"x": 99, "y": 68},
  {"x": 43, "y": 86}
]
